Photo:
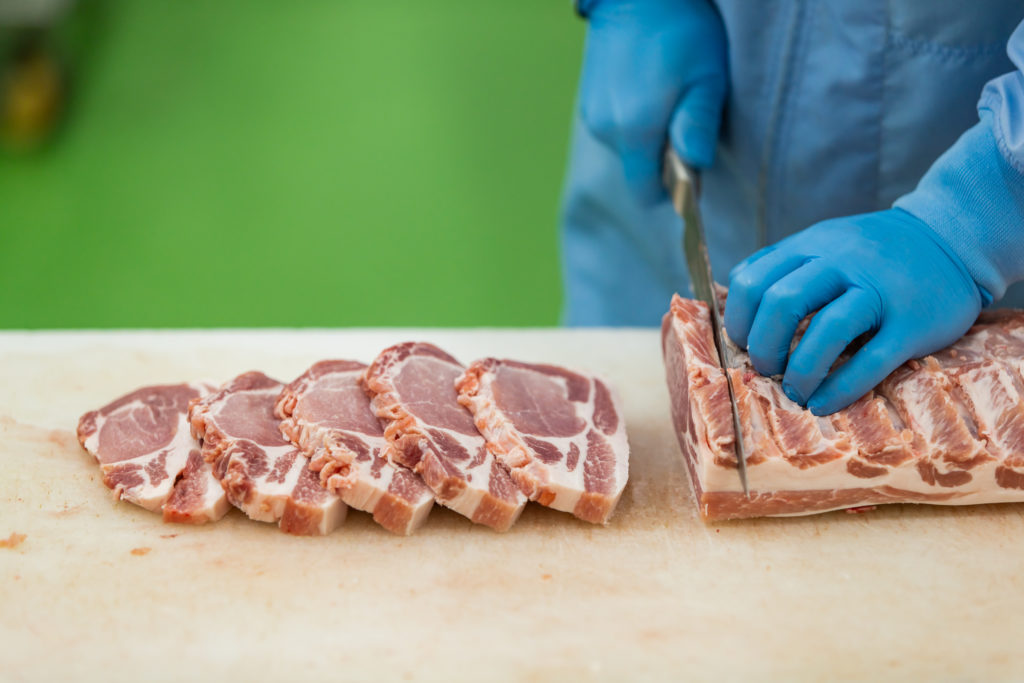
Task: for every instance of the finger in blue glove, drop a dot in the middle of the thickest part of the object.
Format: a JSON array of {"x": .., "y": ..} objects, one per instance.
[{"x": 886, "y": 275}]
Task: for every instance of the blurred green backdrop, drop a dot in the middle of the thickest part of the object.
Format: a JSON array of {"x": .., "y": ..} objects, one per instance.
[{"x": 263, "y": 163}]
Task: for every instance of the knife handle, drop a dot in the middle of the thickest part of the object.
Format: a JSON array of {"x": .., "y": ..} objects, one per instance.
[{"x": 682, "y": 181}]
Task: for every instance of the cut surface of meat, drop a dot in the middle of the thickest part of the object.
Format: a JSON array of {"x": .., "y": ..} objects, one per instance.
[
  {"x": 198, "y": 497},
  {"x": 560, "y": 433},
  {"x": 412, "y": 389},
  {"x": 145, "y": 450},
  {"x": 263, "y": 474},
  {"x": 326, "y": 413},
  {"x": 946, "y": 429}
]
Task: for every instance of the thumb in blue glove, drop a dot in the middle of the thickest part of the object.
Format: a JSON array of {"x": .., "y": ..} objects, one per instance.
[
  {"x": 652, "y": 70},
  {"x": 885, "y": 273}
]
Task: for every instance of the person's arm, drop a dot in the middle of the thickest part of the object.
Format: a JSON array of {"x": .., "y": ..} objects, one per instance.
[
  {"x": 913, "y": 277},
  {"x": 973, "y": 196}
]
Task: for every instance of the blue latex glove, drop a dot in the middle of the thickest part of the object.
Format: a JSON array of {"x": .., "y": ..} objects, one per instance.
[
  {"x": 885, "y": 273},
  {"x": 653, "y": 69}
]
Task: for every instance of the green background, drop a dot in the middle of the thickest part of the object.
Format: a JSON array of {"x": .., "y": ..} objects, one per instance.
[{"x": 329, "y": 163}]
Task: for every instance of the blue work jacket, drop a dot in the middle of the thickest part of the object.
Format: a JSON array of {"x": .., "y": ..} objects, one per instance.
[{"x": 835, "y": 108}]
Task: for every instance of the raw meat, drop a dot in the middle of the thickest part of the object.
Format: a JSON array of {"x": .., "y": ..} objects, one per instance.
[
  {"x": 412, "y": 387},
  {"x": 197, "y": 497},
  {"x": 945, "y": 429},
  {"x": 326, "y": 413},
  {"x": 263, "y": 474},
  {"x": 560, "y": 433},
  {"x": 148, "y": 456}
]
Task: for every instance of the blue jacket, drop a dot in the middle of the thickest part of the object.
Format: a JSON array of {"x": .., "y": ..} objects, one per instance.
[{"x": 835, "y": 108}]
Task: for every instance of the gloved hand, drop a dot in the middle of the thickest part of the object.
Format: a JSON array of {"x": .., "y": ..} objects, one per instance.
[
  {"x": 653, "y": 69},
  {"x": 885, "y": 272}
]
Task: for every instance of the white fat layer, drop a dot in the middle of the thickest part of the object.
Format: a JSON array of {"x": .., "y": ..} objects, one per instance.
[
  {"x": 334, "y": 513},
  {"x": 214, "y": 503}
]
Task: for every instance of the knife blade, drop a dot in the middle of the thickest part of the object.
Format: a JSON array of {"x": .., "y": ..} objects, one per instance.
[{"x": 683, "y": 185}]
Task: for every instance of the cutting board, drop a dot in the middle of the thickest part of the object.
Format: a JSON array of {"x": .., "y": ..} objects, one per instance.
[{"x": 103, "y": 590}]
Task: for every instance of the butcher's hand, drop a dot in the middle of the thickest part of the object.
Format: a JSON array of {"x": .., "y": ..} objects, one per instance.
[
  {"x": 885, "y": 274},
  {"x": 653, "y": 69}
]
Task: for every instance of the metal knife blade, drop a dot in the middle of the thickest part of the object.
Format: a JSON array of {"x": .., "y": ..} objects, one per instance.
[{"x": 683, "y": 185}]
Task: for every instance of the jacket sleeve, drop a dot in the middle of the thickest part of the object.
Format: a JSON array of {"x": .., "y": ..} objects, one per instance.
[{"x": 973, "y": 195}]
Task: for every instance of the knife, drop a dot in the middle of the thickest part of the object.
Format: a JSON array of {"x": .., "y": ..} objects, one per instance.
[{"x": 683, "y": 185}]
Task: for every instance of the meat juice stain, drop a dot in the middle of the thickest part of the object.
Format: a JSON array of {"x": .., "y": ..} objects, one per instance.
[
  {"x": 13, "y": 541},
  {"x": 140, "y": 551}
]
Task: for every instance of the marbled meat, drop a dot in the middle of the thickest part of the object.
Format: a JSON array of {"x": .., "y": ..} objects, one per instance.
[
  {"x": 326, "y": 413},
  {"x": 945, "y": 429},
  {"x": 263, "y": 474},
  {"x": 558, "y": 432},
  {"x": 149, "y": 457},
  {"x": 412, "y": 387}
]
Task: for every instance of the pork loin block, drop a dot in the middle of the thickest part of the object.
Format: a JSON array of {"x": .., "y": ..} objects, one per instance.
[
  {"x": 559, "y": 433},
  {"x": 263, "y": 474},
  {"x": 326, "y": 413},
  {"x": 412, "y": 387},
  {"x": 148, "y": 456},
  {"x": 946, "y": 429}
]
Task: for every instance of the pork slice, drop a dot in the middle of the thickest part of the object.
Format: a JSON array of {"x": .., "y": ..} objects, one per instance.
[
  {"x": 143, "y": 445},
  {"x": 262, "y": 473},
  {"x": 198, "y": 497},
  {"x": 326, "y": 413},
  {"x": 412, "y": 390},
  {"x": 560, "y": 433}
]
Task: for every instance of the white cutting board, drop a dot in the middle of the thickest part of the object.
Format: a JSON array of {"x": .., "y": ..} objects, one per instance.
[{"x": 906, "y": 592}]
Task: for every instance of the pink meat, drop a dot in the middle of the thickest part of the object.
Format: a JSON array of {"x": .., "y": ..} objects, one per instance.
[
  {"x": 560, "y": 433},
  {"x": 326, "y": 413},
  {"x": 263, "y": 474},
  {"x": 412, "y": 388},
  {"x": 145, "y": 450},
  {"x": 197, "y": 497}
]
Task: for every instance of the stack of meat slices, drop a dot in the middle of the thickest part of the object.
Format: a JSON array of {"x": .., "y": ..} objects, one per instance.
[{"x": 413, "y": 428}]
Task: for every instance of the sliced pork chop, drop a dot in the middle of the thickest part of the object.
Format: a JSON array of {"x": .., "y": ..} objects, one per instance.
[
  {"x": 148, "y": 456},
  {"x": 198, "y": 497},
  {"x": 560, "y": 433},
  {"x": 412, "y": 387},
  {"x": 326, "y": 413},
  {"x": 263, "y": 474}
]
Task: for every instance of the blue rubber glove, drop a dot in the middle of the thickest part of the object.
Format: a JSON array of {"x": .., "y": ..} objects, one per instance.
[
  {"x": 653, "y": 69},
  {"x": 885, "y": 273}
]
